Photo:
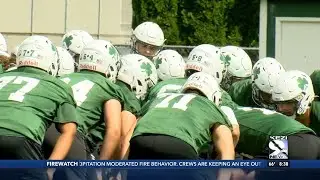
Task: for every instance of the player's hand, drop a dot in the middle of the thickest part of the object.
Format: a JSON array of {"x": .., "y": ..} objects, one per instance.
[
  {"x": 232, "y": 174},
  {"x": 50, "y": 173}
]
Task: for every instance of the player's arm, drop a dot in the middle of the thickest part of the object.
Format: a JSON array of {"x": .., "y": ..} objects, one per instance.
[
  {"x": 234, "y": 122},
  {"x": 223, "y": 141},
  {"x": 111, "y": 141},
  {"x": 129, "y": 122},
  {"x": 67, "y": 126}
]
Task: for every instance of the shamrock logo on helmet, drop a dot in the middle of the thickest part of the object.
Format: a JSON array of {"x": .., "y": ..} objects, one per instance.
[
  {"x": 68, "y": 40},
  {"x": 225, "y": 59},
  {"x": 147, "y": 68},
  {"x": 302, "y": 83}
]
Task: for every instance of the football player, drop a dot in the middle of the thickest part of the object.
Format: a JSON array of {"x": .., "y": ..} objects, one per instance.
[
  {"x": 137, "y": 74},
  {"x": 74, "y": 41},
  {"x": 171, "y": 72},
  {"x": 294, "y": 96},
  {"x": 66, "y": 62},
  {"x": 315, "y": 78},
  {"x": 99, "y": 101},
  {"x": 147, "y": 39},
  {"x": 239, "y": 65},
  {"x": 256, "y": 92},
  {"x": 31, "y": 99},
  {"x": 192, "y": 120}
]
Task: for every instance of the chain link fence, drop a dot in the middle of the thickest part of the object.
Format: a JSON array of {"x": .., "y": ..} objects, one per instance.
[{"x": 253, "y": 52}]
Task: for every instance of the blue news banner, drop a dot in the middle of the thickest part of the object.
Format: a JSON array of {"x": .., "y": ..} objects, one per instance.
[{"x": 162, "y": 164}]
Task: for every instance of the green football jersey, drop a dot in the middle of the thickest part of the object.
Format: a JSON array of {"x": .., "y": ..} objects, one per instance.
[
  {"x": 91, "y": 90},
  {"x": 132, "y": 104},
  {"x": 1, "y": 69},
  {"x": 257, "y": 124},
  {"x": 188, "y": 117},
  {"x": 315, "y": 117},
  {"x": 241, "y": 93},
  {"x": 167, "y": 86},
  {"x": 226, "y": 100},
  {"x": 315, "y": 78},
  {"x": 30, "y": 100}
]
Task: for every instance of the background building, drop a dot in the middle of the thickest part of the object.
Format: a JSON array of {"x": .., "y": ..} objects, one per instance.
[
  {"x": 290, "y": 32},
  {"x": 104, "y": 19}
]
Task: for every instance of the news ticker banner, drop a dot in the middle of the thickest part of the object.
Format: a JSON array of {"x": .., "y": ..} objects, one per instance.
[{"x": 162, "y": 164}]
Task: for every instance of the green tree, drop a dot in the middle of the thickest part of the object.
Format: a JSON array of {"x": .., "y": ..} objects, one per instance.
[
  {"x": 245, "y": 16},
  {"x": 162, "y": 12},
  {"x": 193, "y": 22},
  {"x": 205, "y": 21}
]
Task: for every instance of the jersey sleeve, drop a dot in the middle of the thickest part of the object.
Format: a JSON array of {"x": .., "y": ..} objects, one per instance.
[
  {"x": 230, "y": 114},
  {"x": 315, "y": 117},
  {"x": 241, "y": 92},
  {"x": 66, "y": 113},
  {"x": 1, "y": 69},
  {"x": 315, "y": 78},
  {"x": 226, "y": 100},
  {"x": 129, "y": 101}
]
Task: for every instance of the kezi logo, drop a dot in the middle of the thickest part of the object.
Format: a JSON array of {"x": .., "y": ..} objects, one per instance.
[{"x": 278, "y": 147}]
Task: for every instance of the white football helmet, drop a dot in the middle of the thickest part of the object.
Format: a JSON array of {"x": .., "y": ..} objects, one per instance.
[
  {"x": 148, "y": 33},
  {"x": 139, "y": 73},
  {"x": 100, "y": 56},
  {"x": 170, "y": 64},
  {"x": 205, "y": 83},
  {"x": 66, "y": 62},
  {"x": 294, "y": 85},
  {"x": 264, "y": 76},
  {"x": 75, "y": 40},
  {"x": 3, "y": 44},
  {"x": 238, "y": 64},
  {"x": 206, "y": 58},
  {"x": 39, "y": 52}
]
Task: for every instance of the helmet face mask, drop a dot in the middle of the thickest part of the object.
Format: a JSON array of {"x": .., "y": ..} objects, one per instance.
[
  {"x": 145, "y": 49},
  {"x": 288, "y": 108},
  {"x": 147, "y": 39},
  {"x": 139, "y": 73},
  {"x": 265, "y": 74},
  {"x": 229, "y": 79},
  {"x": 261, "y": 98},
  {"x": 293, "y": 86}
]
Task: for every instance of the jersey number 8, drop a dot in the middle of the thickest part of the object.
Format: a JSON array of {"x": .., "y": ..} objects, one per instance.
[{"x": 18, "y": 96}]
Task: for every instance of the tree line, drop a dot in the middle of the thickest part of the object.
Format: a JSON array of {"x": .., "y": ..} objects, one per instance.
[{"x": 193, "y": 22}]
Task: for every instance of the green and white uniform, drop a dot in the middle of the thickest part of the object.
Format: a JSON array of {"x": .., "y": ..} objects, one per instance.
[
  {"x": 315, "y": 117},
  {"x": 187, "y": 117},
  {"x": 315, "y": 78},
  {"x": 1, "y": 69},
  {"x": 91, "y": 90},
  {"x": 167, "y": 86},
  {"x": 241, "y": 93},
  {"x": 257, "y": 124},
  {"x": 31, "y": 100}
]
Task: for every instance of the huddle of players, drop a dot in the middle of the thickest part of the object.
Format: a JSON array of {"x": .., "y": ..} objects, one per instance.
[{"x": 153, "y": 104}]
